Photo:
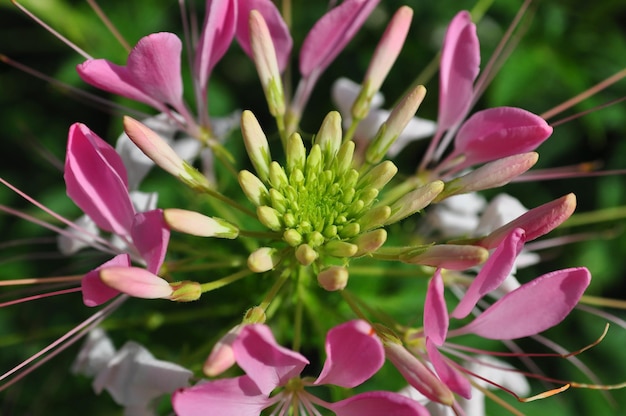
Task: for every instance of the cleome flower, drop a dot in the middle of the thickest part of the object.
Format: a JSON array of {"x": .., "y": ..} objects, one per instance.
[{"x": 269, "y": 366}]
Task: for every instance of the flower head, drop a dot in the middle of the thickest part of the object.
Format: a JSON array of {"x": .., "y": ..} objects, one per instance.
[{"x": 268, "y": 366}]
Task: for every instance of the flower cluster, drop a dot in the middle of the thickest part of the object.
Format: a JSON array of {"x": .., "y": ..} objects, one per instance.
[{"x": 293, "y": 225}]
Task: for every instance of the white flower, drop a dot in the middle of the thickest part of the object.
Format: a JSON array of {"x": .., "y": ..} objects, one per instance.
[{"x": 132, "y": 376}]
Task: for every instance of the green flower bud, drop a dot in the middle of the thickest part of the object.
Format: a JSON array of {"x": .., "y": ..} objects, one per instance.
[
  {"x": 369, "y": 242},
  {"x": 269, "y": 217},
  {"x": 252, "y": 186},
  {"x": 263, "y": 259},
  {"x": 329, "y": 137},
  {"x": 306, "y": 255},
  {"x": 338, "y": 248},
  {"x": 256, "y": 144},
  {"x": 292, "y": 237},
  {"x": 185, "y": 291},
  {"x": 296, "y": 153},
  {"x": 414, "y": 201}
]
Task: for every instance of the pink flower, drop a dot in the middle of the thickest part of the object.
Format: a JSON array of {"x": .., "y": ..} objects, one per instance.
[
  {"x": 488, "y": 135},
  {"x": 268, "y": 366},
  {"x": 96, "y": 181},
  {"x": 151, "y": 75},
  {"x": 528, "y": 310}
]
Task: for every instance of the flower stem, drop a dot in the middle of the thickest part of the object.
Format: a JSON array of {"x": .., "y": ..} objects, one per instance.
[{"x": 216, "y": 284}]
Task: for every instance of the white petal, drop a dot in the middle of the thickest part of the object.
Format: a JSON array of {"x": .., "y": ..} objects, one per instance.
[
  {"x": 501, "y": 210},
  {"x": 134, "y": 377},
  {"x": 75, "y": 239},
  {"x": 95, "y": 353}
]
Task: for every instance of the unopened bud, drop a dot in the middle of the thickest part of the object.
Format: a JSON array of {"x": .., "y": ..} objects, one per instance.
[
  {"x": 153, "y": 146},
  {"x": 417, "y": 374},
  {"x": 263, "y": 259},
  {"x": 256, "y": 144},
  {"x": 414, "y": 201},
  {"x": 491, "y": 175},
  {"x": 536, "y": 222},
  {"x": 194, "y": 223},
  {"x": 306, "y": 254},
  {"x": 337, "y": 248},
  {"x": 278, "y": 177},
  {"x": 395, "y": 124},
  {"x": 374, "y": 218},
  {"x": 334, "y": 278},
  {"x": 385, "y": 55},
  {"x": 344, "y": 157},
  {"x": 254, "y": 189},
  {"x": 296, "y": 153},
  {"x": 447, "y": 256},
  {"x": 136, "y": 282},
  {"x": 269, "y": 217},
  {"x": 266, "y": 63},
  {"x": 378, "y": 176},
  {"x": 329, "y": 137},
  {"x": 222, "y": 356},
  {"x": 292, "y": 237},
  {"x": 370, "y": 242},
  {"x": 254, "y": 315},
  {"x": 185, "y": 291}
]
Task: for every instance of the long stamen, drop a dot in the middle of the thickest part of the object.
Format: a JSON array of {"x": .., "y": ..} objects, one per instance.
[
  {"x": 60, "y": 344},
  {"x": 40, "y": 296},
  {"x": 98, "y": 242},
  {"x": 76, "y": 93},
  {"x": 41, "y": 280},
  {"x": 585, "y": 94},
  {"x": 52, "y": 31},
  {"x": 498, "y": 56},
  {"x": 107, "y": 22}
]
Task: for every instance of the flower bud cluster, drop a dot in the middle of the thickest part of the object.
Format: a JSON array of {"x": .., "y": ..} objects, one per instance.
[{"x": 319, "y": 203}]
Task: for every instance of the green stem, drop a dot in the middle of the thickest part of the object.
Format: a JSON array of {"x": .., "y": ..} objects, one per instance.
[
  {"x": 232, "y": 203},
  {"x": 350, "y": 132},
  {"x": 259, "y": 234},
  {"x": 347, "y": 296},
  {"x": 216, "y": 284},
  {"x": 297, "y": 322},
  {"x": 597, "y": 216},
  {"x": 275, "y": 289}
]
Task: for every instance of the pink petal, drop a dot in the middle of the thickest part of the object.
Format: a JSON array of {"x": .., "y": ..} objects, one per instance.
[
  {"x": 218, "y": 31},
  {"x": 227, "y": 397},
  {"x": 499, "y": 132},
  {"x": 448, "y": 374},
  {"x": 460, "y": 60},
  {"x": 332, "y": 33},
  {"x": 266, "y": 362},
  {"x": 154, "y": 67},
  {"x": 531, "y": 308},
  {"x": 536, "y": 222},
  {"x": 435, "y": 311},
  {"x": 115, "y": 79},
  {"x": 343, "y": 343},
  {"x": 378, "y": 403},
  {"x": 151, "y": 235},
  {"x": 493, "y": 272},
  {"x": 95, "y": 292},
  {"x": 281, "y": 38},
  {"x": 96, "y": 180},
  {"x": 136, "y": 282},
  {"x": 418, "y": 375},
  {"x": 152, "y": 74}
]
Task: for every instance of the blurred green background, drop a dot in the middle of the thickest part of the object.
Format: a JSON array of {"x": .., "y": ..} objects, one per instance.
[{"x": 568, "y": 47}]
